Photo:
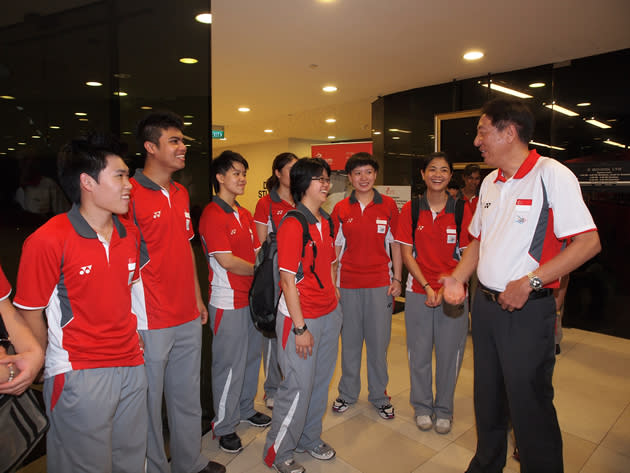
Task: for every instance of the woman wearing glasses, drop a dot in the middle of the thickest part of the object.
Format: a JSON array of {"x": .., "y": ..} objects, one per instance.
[{"x": 308, "y": 323}]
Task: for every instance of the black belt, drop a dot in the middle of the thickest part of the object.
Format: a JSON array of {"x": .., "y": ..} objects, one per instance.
[{"x": 493, "y": 295}]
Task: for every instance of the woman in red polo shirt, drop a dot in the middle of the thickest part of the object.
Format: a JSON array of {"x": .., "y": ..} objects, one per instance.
[
  {"x": 429, "y": 252},
  {"x": 269, "y": 211}
]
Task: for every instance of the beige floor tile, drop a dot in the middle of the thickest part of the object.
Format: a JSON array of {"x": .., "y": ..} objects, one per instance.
[
  {"x": 361, "y": 442},
  {"x": 606, "y": 461},
  {"x": 575, "y": 452},
  {"x": 618, "y": 438},
  {"x": 452, "y": 459}
]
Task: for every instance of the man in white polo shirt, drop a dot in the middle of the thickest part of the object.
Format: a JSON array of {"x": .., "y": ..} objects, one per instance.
[{"x": 528, "y": 208}]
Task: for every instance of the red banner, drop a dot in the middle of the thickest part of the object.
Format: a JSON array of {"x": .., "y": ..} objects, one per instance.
[{"x": 336, "y": 154}]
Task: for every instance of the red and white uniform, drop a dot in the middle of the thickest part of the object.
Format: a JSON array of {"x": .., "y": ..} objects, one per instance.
[
  {"x": 278, "y": 206},
  {"x": 472, "y": 203},
  {"x": 165, "y": 297},
  {"x": 5, "y": 286},
  {"x": 364, "y": 233},
  {"x": 521, "y": 221},
  {"x": 83, "y": 282},
  {"x": 436, "y": 236},
  {"x": 223, "y": 230},
  {"x": 314, "y": 301}
]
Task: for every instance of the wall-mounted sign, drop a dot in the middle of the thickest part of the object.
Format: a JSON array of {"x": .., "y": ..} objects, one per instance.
[
  {"x": 218, "y": 132},
  {"x": 336, "y": 154},
  {"x": 607, "y": 173}
]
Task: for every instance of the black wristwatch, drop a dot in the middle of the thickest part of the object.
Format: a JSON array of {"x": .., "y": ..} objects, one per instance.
[
  {"x": 300, "y": 331},
  {"x": 535, "y": 282}
]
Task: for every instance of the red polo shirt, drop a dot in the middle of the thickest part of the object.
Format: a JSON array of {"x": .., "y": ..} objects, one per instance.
[
  {"x": 278, "y": 206},
  {"x": 365, "y": 235},
  {"x": 435, "y": 241},
  {"x": 84, "y": 285},
  {"x": 222, "y": 232},
  {"x": 166, "y": 297}
]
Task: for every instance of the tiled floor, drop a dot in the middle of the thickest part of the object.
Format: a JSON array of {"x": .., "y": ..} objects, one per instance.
[{"x": 592, "y": 381}]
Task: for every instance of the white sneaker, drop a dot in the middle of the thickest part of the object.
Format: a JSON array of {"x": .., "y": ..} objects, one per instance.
[
  {"x": 443, "y": 426},
  {"x": 424, "y": 422}
]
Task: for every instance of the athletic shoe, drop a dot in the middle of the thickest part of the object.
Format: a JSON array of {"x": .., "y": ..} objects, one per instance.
[
  {"x": 443, "y": 426},
  {"x": 323, "y": 452},
  {"x": 386, "y": 411},
  {"x": 424, "y": 422},
  {"x": 259, "y": 420},
  {"x": 340, "y": 405},
  {"x": 230, "y": 443},
  {"x": 289, "y": 466}
]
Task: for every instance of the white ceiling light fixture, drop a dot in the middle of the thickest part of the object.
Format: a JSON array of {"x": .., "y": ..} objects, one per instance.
[
  {"x": 332, "y": 137},
  {"x": 121, "y": 93},
  {"x": 54, "y": 127},
  {"x": 376, "y": 132},
  {"x": 615, "y": 143},
  {"x": 268, "y": 130},
  {"x": 560, "y": 109},
  {"x": 187, "y": 123},
  {"x": 244, "y": 109},
  {"x": 537, "y": 85},
  {"x": 395, "y": 137},
  {"x": 507, "y": 90},
  {"x": 7, "y": 97},
  {"x": 80, "y": 114},
  {"x": 597, "y": 123},
  {"x": 188, "y": 60},
  {"x": 584, "y": 104},
  {"x": 331, "y": 120},
  {"x": 329, "y": 88},
  {"x": 535, "y": 143},
  {"x": 473, "y": 55},
  {"x": 146, "y": 107},
  {"x": 93, "y": 83},
  {"x": 205, "y": 18}
]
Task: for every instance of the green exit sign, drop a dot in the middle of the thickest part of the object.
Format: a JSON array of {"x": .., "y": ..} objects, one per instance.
[{"x": 218, "y": 134}]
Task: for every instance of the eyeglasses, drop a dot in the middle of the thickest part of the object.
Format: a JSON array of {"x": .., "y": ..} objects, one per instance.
[{"x": 322, "y": 180}]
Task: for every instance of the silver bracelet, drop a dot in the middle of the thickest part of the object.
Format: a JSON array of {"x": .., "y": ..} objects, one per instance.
[{"x": 11, "y": 372}]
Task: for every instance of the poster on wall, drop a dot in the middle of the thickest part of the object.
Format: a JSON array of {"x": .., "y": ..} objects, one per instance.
[
  {"x": 400, "y": 194},
  {"x": 336, "y": 154}
]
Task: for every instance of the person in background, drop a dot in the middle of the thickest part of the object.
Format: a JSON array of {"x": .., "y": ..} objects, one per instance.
[
  {"x": 168, "y": 301},
  {"x": 429, "y": 251},
  {"x": 369, "y": 280},
  {"x": 18, "y": 371},
  {"x": 230, "y": 243},
  {"x": 269, "y": 212},
  {"x": 470, "y": 191},
  {"x": 308, "y": 324},
  {"x": 79, "y": 267},
  {"x": 527, "y": 207}
]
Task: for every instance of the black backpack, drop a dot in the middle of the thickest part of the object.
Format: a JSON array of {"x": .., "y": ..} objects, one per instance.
[
  {"x": 264, "y": 293},
  {"x": 459, "y": 215}
]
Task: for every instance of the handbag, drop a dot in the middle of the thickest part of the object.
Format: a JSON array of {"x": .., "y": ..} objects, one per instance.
[{"x": 23, "y": 423}]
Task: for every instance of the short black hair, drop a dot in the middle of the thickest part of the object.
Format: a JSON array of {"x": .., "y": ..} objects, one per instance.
[
  {"x": 150, "y": 128},
  {"x": 470, "y": 169},
  {"x": 437, "y": 154},
  {"x": 361, "y": 158},
  {"x": 502, "y": 112},
  {"x": 303, "y": 172},
  {"x": 222, "y": 164},
  {"x": 84, "y": 155},
  {"x": 279, "y": 162}
]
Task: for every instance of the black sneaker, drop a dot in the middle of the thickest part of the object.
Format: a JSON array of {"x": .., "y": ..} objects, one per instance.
[
  {"x": 259, "y": 420},
  {"x": 230, "y": 443}
]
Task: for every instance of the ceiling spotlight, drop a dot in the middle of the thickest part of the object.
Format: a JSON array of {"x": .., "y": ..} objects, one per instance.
[
  {"x": 537, "y": 85},
  {"x": 83, "y": 119},
  {"x": 331, "y": 120},
  {"x": 127, "y": 133},
  {"x": 243, "y": 109},
  {"x": 22, "y": 143},
  {"x": 473, "y": 55},
  {"x": 268, "y": 130},
  {"x": 188, "y": 60},
  {"x": 146, "y": 107},
  {"x": 329, "y": 88},
  {"x": 93, "y": 83},
  {"x": 584, "y": 104},
  {"x": 332, "y": 137},
  {"x": 536, "y": 143},
  {"x": 7, "y": 97},
  {"x": 80, "y": 114},
  {"x": 189, "y": 116},
  {"x": 10, "y": 149},
  {"x": 565, "y": 111},
  {"x": 205, "y": 18},
  {"x": 37, "y": 137}
]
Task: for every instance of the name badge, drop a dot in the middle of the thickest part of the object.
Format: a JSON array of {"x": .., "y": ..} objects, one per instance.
[
  {"x": 381, "y": 226},
  {"x": 451, "y": 236}
]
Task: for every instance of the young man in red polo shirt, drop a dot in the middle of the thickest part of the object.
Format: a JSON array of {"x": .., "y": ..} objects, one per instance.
[
  {"x": 79, "y": 267},
  {"x": 168, "y": 300}
]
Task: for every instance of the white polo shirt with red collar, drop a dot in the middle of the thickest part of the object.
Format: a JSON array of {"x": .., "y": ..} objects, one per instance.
[
  {"x": 364, "y": 234},
  {"x": 83, "y": 282},
  {"x": 165, "y": 296},
  {"x": 521, "y": 221},
  {"x": 271, "y": 203},
  {"x": 223, "y": 230},
  {"x": 5, "y": 286}
]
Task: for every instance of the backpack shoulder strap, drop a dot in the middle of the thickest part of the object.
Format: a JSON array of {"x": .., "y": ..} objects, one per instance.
[
  {"x": 273, "y": 225},
  {"x": 459, "y": 215},
  {"x": 306, "y": 237}
]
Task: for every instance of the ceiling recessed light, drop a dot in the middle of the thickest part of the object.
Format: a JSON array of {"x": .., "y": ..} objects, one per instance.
[
  {"x": 7, "y": 97},
  {"x": 80, "y": 114},
  {"x": 188, "y": 60},
  {"x": 22, "y": 143},
  {"x": 583, "y": 104},
  {"x": 54, "y": 127},
  {"x": 122, "y": 75},
  {"x": 331, "y": 120},
  {"x": 376, "y": 132},
  {"x": 395, "y": 137},
  {"x": 127, "y": 133},
  {"x": 329, "y": 88},
  {"x": 244, "y": 109},
  {"x": 268, "y": 130},
  {"x": 10, "y": 149},
  {"x": 121, "y": 93},
  {"x": 37, "y": 137},
  {"x": 146, "y": 107},
  {"x": 93, "y": 83},
  {"x": 189, "y": 116},
  {"x": 537, "y": 85},
  {"x": 332, "y": 137},
  {"x": 205, "y": 18},
  {"x": 615, "y": 143},
  {"x": 473, "y": 55},
  {"x": 187, "y": 123},
  {"x": 83, "y": 119}
]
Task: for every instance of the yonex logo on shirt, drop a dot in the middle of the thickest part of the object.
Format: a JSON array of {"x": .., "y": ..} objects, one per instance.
[
  {"x": 486, "y": 205},
  {"x": 85, "y": 269},
  {"x": 157, "y": 214},
  {"x": 233, "y": 231}
]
